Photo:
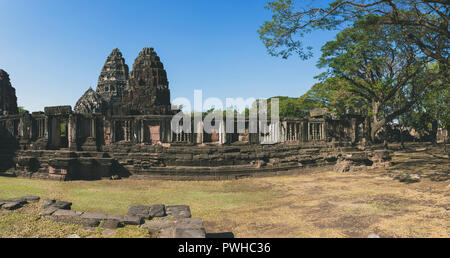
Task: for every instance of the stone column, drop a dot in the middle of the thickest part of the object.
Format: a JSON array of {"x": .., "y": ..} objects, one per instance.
[
  {"x": 141, "y": 133},
  {"x": 354, "y": 130},
  {"x": 222, "y": 138},
  {"x": 72, "y": 133},
  {"x": 295, "y": 131},
  {"x": 112, "y": 125},
  {"x": 199, "y": 132},
  {"x": 169, "y": 128},
  {"x": 46, "y": 128},
  {"x": 93, "y": 128}
]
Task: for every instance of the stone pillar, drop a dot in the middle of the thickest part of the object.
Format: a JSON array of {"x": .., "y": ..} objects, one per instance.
[
  {"x": 112, "y": 124},
  {"x": 199, "y": 133},
  {"x": 283, "y": 135},
  {"x": 222, "y": 135},
  {"x": 141, "y": 131},
  {"x": 93, "y": 128},
  {"x": 170, "y": 134},
  {"x": 46, "y": 128},
  {"x": 295, "y": 131},
  {"x": 354, "y": 131},
  {"x": 309, "y": 131},
  {"x": 72, "y": 133}
]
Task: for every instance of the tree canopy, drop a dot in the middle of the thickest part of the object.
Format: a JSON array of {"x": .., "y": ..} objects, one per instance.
[{"x": 423, "y": 23}]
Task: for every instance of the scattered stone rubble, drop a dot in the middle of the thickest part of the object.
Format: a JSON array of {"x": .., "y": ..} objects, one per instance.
[
  {"x": 160, "y": 220},
  {"x": 407, "y": 178},
  {"x": 356, "y": 161}
]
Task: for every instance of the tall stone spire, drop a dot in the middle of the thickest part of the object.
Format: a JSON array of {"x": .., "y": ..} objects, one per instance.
[
  {"x": 8, "y": 99},
  {"x": 113, "y": 78},
  {"x": 147, "y": 90}
]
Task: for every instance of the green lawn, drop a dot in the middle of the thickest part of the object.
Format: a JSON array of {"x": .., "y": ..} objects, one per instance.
[{"x": 325, "y": 204}]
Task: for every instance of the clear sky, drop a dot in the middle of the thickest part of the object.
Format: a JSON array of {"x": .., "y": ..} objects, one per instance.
[{"x": 54, "y": 50}]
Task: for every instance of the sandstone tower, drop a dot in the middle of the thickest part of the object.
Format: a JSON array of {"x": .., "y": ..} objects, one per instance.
[
  {"x": 8, "y": 99},
  {"x": 144, "y": 91},
  {"x": 147, "y": 89},
  {"x": 113, "y": 78}
]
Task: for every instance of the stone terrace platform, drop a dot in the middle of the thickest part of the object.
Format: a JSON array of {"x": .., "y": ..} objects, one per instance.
[{"x": 189, "y": 162}]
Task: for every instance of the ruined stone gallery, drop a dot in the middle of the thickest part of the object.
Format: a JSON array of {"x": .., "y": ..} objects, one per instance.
[{"x": 123, "y": 129}]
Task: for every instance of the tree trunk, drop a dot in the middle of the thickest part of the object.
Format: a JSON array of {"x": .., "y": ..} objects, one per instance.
[{"x": 434, "y": 129}]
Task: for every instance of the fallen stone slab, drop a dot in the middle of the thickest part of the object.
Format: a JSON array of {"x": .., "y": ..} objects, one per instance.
[
  {"x": 48, "y": 211},
  {"x": 139, "y": 211},
  {"x": 187, "y": 223},
  {"x": 1, "y": 203},
  {"x": 158, "y": 210},
  {"x": 166, "y": 233},
  {"x": 179, "y": 211},
  {"x": 73, "y": 236},
  {"x": 31, "y": 198},
  {"x": 47, "y": 203},
  {"x": 20, "y": 200},
  {"x": 73, "y": 217},
  {"x": 95, "y": 216},
  {"x": 408, "y": 178},
  {"x": 67, "y": 213},
  {"x": 115, "y": 217},
  {"x": 86, "y": 222},
  {"x": 190, "y": 233},
  {"x": 62, "y": 205},
  {"x": 133, "y": 220},
  {"x": 111, "y": 224},
  {"x": 157, "y": 224},
  {"x": 12, "y": 205}
]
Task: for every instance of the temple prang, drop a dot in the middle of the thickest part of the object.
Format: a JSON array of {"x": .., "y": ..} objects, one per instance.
[
  {"x": 123, "y": 127},
  {"x": 8, "y": 99}
]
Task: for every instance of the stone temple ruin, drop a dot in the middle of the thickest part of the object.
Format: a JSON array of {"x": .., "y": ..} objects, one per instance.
[{"x": 123, "y": 128}]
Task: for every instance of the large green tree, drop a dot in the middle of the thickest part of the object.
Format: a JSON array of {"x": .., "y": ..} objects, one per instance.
[
  {"x": 424, "y": 23},
  {"x": 431, "y": 111},
  {"x": 378, "y": 66}
]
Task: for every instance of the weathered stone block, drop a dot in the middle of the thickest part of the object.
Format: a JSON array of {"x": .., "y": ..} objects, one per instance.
[
  {"x": 87, "y": 222},
  {"x": 32, "y": 198},
  {"x": 133, "y": 220},
  {"x": 190, "y": 233},
  {"x": 20, "y": 200},
  {"x": 48, "y": 211},
  {"x": 179, "y": 211},
  {"x": 158, "y": 210},
  {"x": 62, "y": 205},
  {"x": 140, "y": 211},
  {"x": 12, "y": 205},
  {"x": 155, "y": 225},
  {"x": 166, "y": 233},
  {"x": 67, "y": 213},
  {"x": 111, "y": 224},
  {"x": 189, "y": 223},
  {"x": 95, "y": 216},
  {"x": 47, "y": 203}
]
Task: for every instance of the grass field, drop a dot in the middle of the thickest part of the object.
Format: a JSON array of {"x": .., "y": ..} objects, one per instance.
[{"x": 321, "y": 204}]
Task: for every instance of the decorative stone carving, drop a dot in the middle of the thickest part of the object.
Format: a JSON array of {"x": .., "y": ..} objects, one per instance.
[
  {"x": 91, "y": 102},
  {"x": 8, "y": 99}
]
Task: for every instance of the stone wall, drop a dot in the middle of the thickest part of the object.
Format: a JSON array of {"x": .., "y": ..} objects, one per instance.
[{"x": 190, "y": 162}]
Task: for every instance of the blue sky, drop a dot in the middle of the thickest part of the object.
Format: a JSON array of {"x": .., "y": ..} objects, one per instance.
[{"x": 54, "y": 50}]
